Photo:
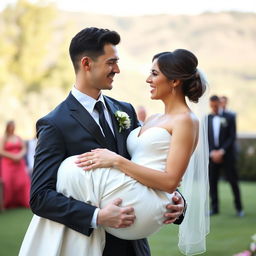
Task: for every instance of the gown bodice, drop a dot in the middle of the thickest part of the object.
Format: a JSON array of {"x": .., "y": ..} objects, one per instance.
[
  {"x": 13, "y": 146},
  {"x": 150, "y": 148}
]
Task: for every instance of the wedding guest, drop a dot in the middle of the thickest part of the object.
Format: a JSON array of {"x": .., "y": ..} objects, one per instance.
[
  {"x": 1, "y": 193},
  {"x": 31, "y": 147},
  {"x": 15, "y": 178},
  {"x": 223, "y": 106},
  {"x": 222, "y": 137},
  {"x": 1, "y": 190},
  {"x": 141, "y": 114}
]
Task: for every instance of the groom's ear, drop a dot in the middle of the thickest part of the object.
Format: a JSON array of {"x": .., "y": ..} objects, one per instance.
[{"x": 86, "y": 63}]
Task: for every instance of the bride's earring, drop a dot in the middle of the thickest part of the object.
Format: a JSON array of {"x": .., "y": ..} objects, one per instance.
[{"x": 173, "y": 88}]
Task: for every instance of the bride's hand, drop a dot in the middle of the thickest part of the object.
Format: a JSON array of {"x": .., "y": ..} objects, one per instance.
[{"x": 97, "y": 158}]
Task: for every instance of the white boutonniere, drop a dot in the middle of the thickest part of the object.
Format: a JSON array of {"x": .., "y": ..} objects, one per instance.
[
  {"x": 223, "y": 121},
  {"x": 123, "y": 120}
]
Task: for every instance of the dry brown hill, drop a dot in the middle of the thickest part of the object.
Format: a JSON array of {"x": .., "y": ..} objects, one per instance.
[{"x": 225, "y": 44}]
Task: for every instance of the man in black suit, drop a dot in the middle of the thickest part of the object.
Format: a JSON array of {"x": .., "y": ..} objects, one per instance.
[
  {"x": 223, "y": 106},
  {"x": 222, "y": 137},
  {"x": 79, "y": 125}
]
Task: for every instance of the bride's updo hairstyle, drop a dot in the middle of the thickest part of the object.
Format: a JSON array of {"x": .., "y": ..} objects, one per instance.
[{"x": 182, "y": 65}]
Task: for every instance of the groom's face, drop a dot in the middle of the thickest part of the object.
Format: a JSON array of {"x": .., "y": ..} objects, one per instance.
[{"x": 104, "y": 68}]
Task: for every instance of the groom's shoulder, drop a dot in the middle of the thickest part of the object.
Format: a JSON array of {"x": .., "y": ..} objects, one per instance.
[{"x": 57, "y": 113}]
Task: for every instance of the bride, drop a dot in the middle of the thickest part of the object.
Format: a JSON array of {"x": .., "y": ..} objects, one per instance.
[{"x": 164, "y": 153}]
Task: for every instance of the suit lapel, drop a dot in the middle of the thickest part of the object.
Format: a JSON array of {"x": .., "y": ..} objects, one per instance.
[
  {"x": 211, "y": 136},
  {"x": 120, "y": 138},
  {"x": 222, "y": 128},
  {"x": 83, "y": 117}
]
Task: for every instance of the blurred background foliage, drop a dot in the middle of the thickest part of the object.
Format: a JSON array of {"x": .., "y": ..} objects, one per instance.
[
  {"x": 247, "y": 158},
  {"x": 36, "y": 73}
]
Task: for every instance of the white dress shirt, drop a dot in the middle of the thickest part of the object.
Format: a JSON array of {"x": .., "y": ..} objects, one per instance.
[
  {"x": 88, "y": 103},
  {"x": 31, "y": 148},
  {"x": 216, "y": 122}
]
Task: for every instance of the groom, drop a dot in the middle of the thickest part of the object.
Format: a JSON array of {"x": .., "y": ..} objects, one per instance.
[{"x": 79, "y": 125}]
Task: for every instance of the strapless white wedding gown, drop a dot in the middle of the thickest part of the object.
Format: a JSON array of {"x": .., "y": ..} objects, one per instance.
[{"x": 100, "y": 187}]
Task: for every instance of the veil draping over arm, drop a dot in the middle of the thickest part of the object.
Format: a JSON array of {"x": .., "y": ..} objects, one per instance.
[{"x": 195, "y": 186}]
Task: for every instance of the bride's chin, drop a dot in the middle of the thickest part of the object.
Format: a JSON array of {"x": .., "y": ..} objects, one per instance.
[{"x": 153, "y": 97}]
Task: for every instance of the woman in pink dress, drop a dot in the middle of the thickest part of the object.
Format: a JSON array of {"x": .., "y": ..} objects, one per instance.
[{"x": 13, "y": 169}]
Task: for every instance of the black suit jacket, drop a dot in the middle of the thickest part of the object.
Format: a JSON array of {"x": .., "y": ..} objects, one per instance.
[
  {"x": 69, "y": 130},
  {"x": 227, "y": 135}
]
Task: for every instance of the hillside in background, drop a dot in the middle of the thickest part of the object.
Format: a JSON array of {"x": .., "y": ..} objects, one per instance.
[{"x": 223, "y": 42}]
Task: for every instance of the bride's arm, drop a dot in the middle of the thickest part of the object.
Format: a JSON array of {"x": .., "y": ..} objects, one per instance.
[{"x": 181, "y": 148}]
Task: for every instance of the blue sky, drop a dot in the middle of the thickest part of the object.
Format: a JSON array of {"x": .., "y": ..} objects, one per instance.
[{"x": 142, "y": 7}]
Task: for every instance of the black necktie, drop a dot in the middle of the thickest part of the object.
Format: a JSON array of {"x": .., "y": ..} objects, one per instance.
[{"x": 109, "y": 137}]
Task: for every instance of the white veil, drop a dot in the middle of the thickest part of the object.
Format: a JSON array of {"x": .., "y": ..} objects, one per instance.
[{"x": 195, "y": 186}]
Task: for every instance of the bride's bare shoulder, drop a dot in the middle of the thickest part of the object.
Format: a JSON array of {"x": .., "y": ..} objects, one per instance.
[
  {"x": 152, "y": 117},
  {"x": 188, "y": 119}
]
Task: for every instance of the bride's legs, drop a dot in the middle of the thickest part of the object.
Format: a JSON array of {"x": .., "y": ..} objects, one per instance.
[
  {"x": 46, "y": 237},
  {"x": 101, "y": 186}
]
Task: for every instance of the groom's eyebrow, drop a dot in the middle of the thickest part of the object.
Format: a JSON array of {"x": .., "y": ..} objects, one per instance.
[{"x": 112, "y": 59}]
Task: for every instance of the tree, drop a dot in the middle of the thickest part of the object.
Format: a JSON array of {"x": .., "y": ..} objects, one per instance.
[
  {"x": 34, "y": 63},
  {"x": 26, "y": 33}
]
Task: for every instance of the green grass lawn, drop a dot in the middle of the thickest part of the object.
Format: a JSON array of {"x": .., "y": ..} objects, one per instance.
[{"x": 229, "y": 234}]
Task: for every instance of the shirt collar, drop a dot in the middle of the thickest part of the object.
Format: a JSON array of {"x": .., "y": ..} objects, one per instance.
[
  {"x": 221, "y": 111},
  {"x": 87, "y": 101}
]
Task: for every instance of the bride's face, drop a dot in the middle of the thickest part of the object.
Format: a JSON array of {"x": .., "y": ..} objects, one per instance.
[{"x": 160, "y": 85}]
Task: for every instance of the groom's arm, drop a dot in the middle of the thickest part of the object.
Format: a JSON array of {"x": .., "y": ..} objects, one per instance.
[{"x": 45, "y": 201}]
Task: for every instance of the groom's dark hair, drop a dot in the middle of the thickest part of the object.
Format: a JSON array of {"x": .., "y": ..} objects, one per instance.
[{"x": 90, "y": 42}]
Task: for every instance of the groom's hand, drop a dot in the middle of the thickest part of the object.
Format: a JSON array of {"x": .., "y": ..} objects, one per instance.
[
  {"x": 115, "y": 216},
  {"x": 174, "y": 210}
]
